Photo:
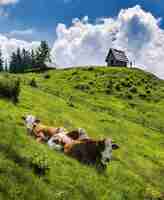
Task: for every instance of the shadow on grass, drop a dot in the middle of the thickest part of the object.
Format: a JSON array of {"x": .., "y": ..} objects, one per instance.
[{"x": 29, "y": 163}]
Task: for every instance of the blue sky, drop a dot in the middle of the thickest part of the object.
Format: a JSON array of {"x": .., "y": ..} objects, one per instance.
[
  {"x": 129, "y": 25},
  {"x": 42, "y": 16}
]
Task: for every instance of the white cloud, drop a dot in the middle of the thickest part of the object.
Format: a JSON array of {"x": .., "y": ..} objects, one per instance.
[
  {"x": 24, "y": 34},
  {"x": 21, "y": 32},
  {"x": 134, "y": 30},
  {"x": 10, "y": 45},
  {"x": 6, "y": 2}
]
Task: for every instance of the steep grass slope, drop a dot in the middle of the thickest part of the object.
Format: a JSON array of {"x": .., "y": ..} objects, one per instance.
[{"x": 125, "y": 104}]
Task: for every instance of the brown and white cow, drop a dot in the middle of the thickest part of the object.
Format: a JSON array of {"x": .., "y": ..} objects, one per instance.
[
  {"x": 78, "y": 145},
  {"x": 91, "y": 151},
  {"x": 75, "y": 144},
  {"x": 41, "y": 132}
]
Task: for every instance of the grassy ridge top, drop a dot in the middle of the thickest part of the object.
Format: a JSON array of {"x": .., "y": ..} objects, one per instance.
[{"x": 125, "y": 104}]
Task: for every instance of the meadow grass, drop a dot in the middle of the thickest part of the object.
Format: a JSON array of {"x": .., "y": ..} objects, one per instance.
[{"x": 125, "y": 104}]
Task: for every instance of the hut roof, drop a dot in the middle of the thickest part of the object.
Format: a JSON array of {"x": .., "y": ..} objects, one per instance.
[{"x": 119, "y": 55}]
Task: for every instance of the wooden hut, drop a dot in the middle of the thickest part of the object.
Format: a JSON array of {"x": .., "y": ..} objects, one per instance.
[{"x": 117, "y": 58}]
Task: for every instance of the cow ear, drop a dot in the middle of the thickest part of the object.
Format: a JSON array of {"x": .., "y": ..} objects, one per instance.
[
  {"x": 115, "y": 146},
  {"x": 23, "y": 117},
  {"x": 37, "y": 121}
]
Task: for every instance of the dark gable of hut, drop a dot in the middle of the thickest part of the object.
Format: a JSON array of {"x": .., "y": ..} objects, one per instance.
[{"x": 117, "y": 58}]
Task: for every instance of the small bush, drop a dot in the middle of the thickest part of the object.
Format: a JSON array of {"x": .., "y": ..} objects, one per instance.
[
  {"x": 133, "y": 105},
  {"x": 82, "y": 87},
  {"x": 33, "y": 83},
  {"x": 92, "y": 92},
  {"x": 40, "y": 165},
  {"x": 10, "y": 88},
  {"x": 91, "y": 69},
  {"x": 102, "y": 73},
  {"x": 74, "y": 73},
  {"x": 138, "y": 83},
  {"x": 133, "y": 89},
  {"x": 126, "y": 84},
  {"x": 70, "y": 102},
  {"x": 109, "y": 85},
  {"x": 47, "y": 76},
  {"x": 142, "y": 95},
  {"x": 77, "y": 78},
  {"x": 108, "y": 91},
  {"x": 146, "y": 87},
  {"x": 128, "y": 95},
  {"x": 148, "y": 91},
  {"x": 118, "y": 87},
  {"x": 91, "y": 83}
]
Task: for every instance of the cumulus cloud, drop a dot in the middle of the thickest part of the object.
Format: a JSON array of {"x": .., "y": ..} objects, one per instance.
[
  {"x": 134, "y": 30},
  {"x": 6, "y": 2}
]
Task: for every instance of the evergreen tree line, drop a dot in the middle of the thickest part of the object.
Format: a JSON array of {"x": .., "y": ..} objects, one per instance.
[{"x": 23, "y": 60}]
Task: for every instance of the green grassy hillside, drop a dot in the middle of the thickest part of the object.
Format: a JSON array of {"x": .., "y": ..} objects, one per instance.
[{"x": 125, "y": 104}]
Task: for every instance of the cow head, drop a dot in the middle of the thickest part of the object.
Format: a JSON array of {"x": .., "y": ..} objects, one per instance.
[
  {"x": 29, "y": 121},
  {"x": 106, "y": 153}
]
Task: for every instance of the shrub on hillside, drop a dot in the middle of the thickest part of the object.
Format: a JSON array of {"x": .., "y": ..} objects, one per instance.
[
  {"x": 148, "y": 91},
  {"x": 126, "y": 84},
  {"x": 108, "y": 91},
  {"x": 40, "y": 165},
  {"x": 109, "y": 85},
  {"x": 77, "y": 78},
  {"x": 143, "y": 96},
  {"x": 92, "y": 92},
  {"x": 118, "y": 87},
  {"x": 82, "y": 87},
  {"x": 133, "y": 89},
  {"x": 10, "y": 88},
  {"x": 47, "y": 76},
  {"x": 128, "y": 95},
  {"x": 91, "y": 83},
  {"x": 90, "y": 68},
  {"x": 70, "y": 102},
  {"x": 33, "y": 83},
  {"x": 74, "y": 73}
]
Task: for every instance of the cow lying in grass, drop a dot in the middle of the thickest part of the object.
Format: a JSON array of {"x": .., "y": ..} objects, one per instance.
[{"x": 75, "y": 143}]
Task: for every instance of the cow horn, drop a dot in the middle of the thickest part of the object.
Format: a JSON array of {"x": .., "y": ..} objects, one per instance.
[{"x": 23, "y": 117}]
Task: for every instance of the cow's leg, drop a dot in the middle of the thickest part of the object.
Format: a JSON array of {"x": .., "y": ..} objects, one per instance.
[{"x": 39, "y": 139}]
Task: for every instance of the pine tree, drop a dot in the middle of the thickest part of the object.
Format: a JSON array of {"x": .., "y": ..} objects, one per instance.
[
  {"x": 25, "y": 60},
  {"x": 43, "y": 55},
  {"x": 19, "y": 61},
  {"x": 1, "y": 62},
  {"x": 13, "y": 63},
  {"x": 33, "y": 59},
  {"x": 6, "y": 66}
]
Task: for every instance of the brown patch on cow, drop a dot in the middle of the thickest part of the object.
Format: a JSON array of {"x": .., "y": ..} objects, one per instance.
[{"x": 87, "y": 151}]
